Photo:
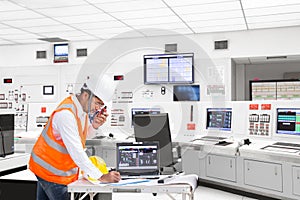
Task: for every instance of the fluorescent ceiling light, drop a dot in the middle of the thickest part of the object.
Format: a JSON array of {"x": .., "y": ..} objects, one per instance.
[
  {"x": 20, "y": 36},
  {"x": 28, "y": 41},
  {"x": 85, "y": 18},
  {"x": 175, "y": 3},
  {"x": 32, "y": 22},
  {"x": 49, "y": 4},
  {"x": 15, "y": 15},
  {"x": 222, "y": 22},
  {"x": 220, "y": 28},
  {"x": 96, "y": 25},
  {"x": 45, "y": 29},
  {"x": 274, "y": 24},
  {"x": 212, "y": 16},
  {"x": 177, "y": 25},
  {"x": 273, "y": 18},
  {"x": 266, "y": 3},
  {"x": 131, "y": 5},
  {"x": 108, "y": 31},
  {"x": 107, "y": 1},
  {"x": 206, "y": 8},
  {"x": 8, "y": 6},
  {"x": 272, "y": 10},
  {"x": 159, "y": 12},
  {"x": 153, "y": 20},
  {"x": 6, "y": 31},
  {"x": 65, "y": 34},
  {"x": 69, "y": 11}
]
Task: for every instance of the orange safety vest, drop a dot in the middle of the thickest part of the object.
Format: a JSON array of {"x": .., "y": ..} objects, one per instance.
[{"x": 50, "y": 159}]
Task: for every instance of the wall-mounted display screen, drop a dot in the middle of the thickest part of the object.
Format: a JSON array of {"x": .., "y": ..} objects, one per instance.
[
  {"x": 61, "y": 53},
  {"x": 219, "y": 119},
  {"x": 186, "y": 93},
  {"x": 288, "y": 121},
  {"x": 143, "y": 111},
  {"x": 169, "y": 68},
  {"x": 282, "y": 89}
]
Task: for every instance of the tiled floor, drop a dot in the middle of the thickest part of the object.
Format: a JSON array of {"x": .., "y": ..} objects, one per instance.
[{"x": 201, "y": 193}]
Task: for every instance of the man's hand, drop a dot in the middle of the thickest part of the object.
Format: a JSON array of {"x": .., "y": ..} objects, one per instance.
[
  {"x": 100, "y": 119},
  {"x": 111, "y": 177}
]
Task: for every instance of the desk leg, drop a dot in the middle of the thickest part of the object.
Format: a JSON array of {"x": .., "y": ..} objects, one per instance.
[
  {"x": 72, "y": 196},
  {"x": 183, "y": 196}
]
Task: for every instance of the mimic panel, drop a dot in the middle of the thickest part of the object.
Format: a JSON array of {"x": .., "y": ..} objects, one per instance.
[{"x": 259, "y": 120}]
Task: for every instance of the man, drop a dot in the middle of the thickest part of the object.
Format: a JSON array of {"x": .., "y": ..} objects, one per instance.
[{"x": 59, "y": 152}]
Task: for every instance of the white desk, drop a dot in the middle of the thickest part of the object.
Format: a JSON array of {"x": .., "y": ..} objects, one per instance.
[{"x": 88, "y": 188}]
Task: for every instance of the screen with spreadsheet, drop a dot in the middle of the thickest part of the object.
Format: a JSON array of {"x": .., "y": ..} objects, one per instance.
[{"x": 169, "y": 68}]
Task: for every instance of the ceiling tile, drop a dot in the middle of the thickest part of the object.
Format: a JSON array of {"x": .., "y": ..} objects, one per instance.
[{"x": 19, "y": 36}]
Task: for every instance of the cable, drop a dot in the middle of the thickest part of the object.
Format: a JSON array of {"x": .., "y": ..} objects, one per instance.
[{"x": 2, "y": 137}]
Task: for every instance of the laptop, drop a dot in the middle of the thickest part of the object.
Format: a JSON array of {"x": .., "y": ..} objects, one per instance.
[{"x": 138, "y": 160}]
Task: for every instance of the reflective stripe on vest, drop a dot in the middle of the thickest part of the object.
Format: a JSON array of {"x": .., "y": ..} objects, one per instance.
[
  {"x": 51, "y": 143},
  {"x": 53, "y": 169}
]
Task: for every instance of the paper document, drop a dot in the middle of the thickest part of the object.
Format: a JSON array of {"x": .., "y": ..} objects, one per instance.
[{"x": 191, "y": 179}]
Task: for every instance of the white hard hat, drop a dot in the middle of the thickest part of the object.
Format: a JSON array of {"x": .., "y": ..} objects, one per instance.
[{"x": 103, "y": 87}]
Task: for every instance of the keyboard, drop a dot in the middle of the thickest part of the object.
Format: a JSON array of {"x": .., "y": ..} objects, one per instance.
[
  {"x": 212, "y": 138},
  {"x": 286, "y": 144}
]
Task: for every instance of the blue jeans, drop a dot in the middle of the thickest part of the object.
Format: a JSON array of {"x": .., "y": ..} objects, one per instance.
[{"x": 51, "y": 191}]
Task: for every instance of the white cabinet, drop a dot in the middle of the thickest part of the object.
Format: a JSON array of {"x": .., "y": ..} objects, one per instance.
[
  {"x": 191, "y": 162},
  {"x": 263, "y": 174},
  {"x": 221, "y": 167},
  {"x": 296, "y": 180}
]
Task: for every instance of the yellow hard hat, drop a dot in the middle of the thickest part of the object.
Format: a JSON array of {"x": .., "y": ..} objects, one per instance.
[{"x": 99, "y": 163}]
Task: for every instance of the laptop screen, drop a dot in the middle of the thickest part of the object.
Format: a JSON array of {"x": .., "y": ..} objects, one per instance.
[{"x": 138, "y": 158}]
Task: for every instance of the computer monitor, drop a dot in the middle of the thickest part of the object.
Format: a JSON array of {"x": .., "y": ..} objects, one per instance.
[
  {"x": 7, "y": 127},
  {"x": 138, "y": 158},
  {"x": 288, "y": 121},
  {"x": 186, "y": 93},
  {"x": 169, "y": 68},
  {"x": 155, "y": 127},
  {"x": 219, "y": 119},
  {"x": 142, "y": 111}
]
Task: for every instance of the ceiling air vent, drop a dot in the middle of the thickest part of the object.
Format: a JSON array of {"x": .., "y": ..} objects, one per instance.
[
  {"x": 81, "y": 52},
  {"x": 41, "y": 54},
  {"x": 221, "y": 44}
]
